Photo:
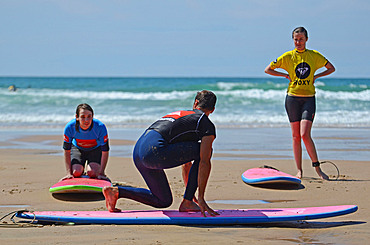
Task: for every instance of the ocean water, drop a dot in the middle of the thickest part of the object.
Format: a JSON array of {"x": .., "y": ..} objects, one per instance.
[{"x": 129, "y": 102}]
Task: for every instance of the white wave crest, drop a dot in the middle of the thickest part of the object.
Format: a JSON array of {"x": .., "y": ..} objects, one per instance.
[
  {"x": 341, "y": 95},
  {"x": 255, "y": 94},
  {"x": 319, "y": 84},
  {"x": 111, "y": 95},
  {"x": 246, "y": 85},
  {"x": 230, "y": 86},
  {"x": 362, "y": 86},
  {"x": 260, "y": 118}
]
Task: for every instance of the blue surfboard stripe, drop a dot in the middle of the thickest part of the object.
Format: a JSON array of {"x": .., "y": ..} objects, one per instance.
[{"x": 270, "y": 179}]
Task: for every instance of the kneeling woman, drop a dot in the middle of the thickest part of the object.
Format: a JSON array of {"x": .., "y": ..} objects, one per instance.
[
  {"x": 85, "y": 140},
  {"x": 169, "y": 142}
]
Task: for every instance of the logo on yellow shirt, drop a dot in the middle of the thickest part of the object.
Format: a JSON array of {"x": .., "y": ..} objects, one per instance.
[{"x": 302, "y": 70}]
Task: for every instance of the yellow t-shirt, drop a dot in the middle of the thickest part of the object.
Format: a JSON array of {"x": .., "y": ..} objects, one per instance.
[{"x": 301, "y": 67}]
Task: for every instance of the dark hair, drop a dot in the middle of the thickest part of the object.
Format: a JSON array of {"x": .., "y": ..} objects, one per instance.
[
  {"x": 83, "y": 106},
  {"x": 207, "y": 99},
  {"x": 300, "y": 30}
]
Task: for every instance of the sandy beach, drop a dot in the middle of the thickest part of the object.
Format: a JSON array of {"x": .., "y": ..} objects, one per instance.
[
  {"x": 133, "y": 62},
  {"x": 28, "y": 168}
]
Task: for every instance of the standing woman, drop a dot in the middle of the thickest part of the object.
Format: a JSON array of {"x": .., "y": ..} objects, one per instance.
[
  {"x": 85, "y": 140},
  {"x": 300, "y": 103}
]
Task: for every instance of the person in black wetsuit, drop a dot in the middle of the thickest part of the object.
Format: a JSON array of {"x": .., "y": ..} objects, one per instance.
[{"x": 176, "y": 139}]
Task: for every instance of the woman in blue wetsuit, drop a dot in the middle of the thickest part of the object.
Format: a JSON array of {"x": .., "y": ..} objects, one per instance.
[
  {"x": 300, "y": 103},
  {"x": 85, "y": 140},
  {"x": 175, "y": 139}
]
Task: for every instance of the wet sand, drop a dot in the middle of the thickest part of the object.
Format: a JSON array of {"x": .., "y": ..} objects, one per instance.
[{"x": 26, "y": 175}]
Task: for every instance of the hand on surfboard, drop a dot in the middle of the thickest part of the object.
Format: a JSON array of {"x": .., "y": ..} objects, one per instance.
[
  {"x": 68, "y": 176},
  {"x": 103, "y": 177}
]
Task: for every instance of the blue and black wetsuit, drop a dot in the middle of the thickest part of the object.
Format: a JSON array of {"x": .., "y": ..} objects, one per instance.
[
  {"x": 169, "y": 142},
  {"x": 86, "y": 145}
]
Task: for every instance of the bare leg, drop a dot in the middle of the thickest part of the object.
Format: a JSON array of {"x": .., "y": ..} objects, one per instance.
[
  {"x": 321, "y": 173},
  {"x": 111, "y": 197},
  {"x": 297, "y": 147},
  {"x": 306, "y": 126},
  {"x": 188, "y": 206}
]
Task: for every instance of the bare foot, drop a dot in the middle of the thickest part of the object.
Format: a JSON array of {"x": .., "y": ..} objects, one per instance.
[
  {"x": 322, "y": 175},
  {"x": 111, "y": 197},
  {"x": 299, "y": 174},
  {"x": 188, "y": 206}
]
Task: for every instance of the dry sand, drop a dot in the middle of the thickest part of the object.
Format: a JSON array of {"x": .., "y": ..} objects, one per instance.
[{"x": 26, "y": 175}]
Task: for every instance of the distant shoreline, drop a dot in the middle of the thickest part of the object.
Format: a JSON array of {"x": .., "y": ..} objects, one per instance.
[{"x": 231, "y": 142}]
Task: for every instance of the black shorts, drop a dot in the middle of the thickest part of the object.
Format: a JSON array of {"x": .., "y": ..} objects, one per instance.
[
  {"x": 80, "y": 156},
  {"x": 300, "y": 108}
]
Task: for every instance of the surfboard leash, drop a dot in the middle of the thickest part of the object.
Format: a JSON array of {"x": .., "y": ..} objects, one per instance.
[
  {"x": 334, "y": 166},
  {"x": 18, "y": 224},
  {"x": 270, "y": 167}
]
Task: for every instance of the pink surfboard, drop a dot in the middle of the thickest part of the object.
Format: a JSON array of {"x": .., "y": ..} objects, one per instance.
[
  {"x": 79, "y": 185},
  {"x": 172, "y": 217},
  {"x": 268, "y": 175}
]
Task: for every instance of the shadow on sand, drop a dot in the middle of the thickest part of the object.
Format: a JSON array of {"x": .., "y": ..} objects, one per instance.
[
  {"x": 291, "y": 224},
  {"x": 280, "y": 186},
  {"x": 79, "y": 197}
]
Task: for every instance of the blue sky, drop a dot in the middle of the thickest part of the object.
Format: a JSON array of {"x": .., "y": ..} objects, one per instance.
[{"x": 176, "y": 38}]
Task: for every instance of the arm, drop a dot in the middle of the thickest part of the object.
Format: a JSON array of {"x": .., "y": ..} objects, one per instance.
[
  {"x": 68, "y": 135},
  {"x": 272, "y": 72},
  {"x": 103, "y": 165},
  {"x": 67, "y": 161},
  {"x": 185, "y": 175},
  {"x": 105, "y": 152},
  {"x": 329, "y": 70},
  {"x": 204, "y": 171}
]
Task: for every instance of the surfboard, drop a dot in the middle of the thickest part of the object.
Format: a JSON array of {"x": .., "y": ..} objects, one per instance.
[
  {"x": 173, "y": 217},
  {"x": 268, "y": 175},
  {"x": 79, "y": 185}
]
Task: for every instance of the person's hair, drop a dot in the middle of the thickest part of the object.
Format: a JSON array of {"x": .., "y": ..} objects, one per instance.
[
  {"x": 300, "y": 30},
  {"x": 83, "y": 106},
  {"x": 207, "y": 99}
]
